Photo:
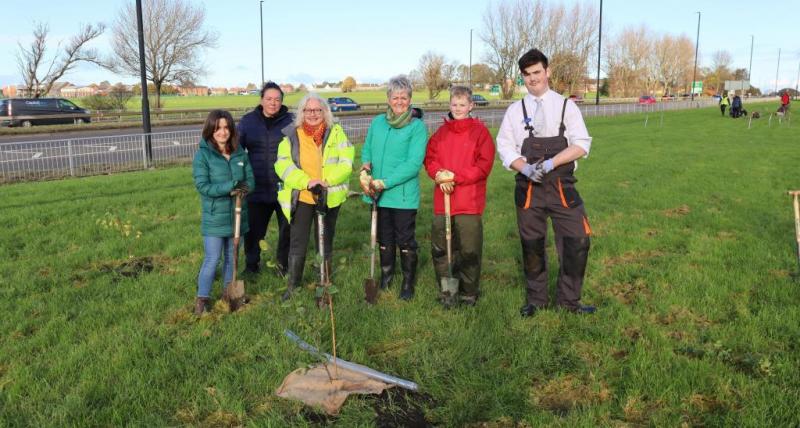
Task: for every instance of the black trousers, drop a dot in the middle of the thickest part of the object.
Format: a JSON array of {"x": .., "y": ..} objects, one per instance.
[
  {"x": 259, "y": 215},
  {"x": 303, "y": 217},
  {"x": 397, "y": 227},
  {"x": 559, "y": 200}
]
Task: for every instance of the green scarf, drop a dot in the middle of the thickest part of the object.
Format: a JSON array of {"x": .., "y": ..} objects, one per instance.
[{"x": 398, "y": 121}]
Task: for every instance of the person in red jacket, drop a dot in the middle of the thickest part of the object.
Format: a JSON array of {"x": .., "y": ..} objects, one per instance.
[
  {"x": 459, "y": 158},
  {"x": 785, "y": 101}
]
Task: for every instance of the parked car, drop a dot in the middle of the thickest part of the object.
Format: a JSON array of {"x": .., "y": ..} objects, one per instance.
[
  {"x": 480, "y": 101},
  {"x": 13, "y": 112},
  {"x": 647, "y": 99},
  {"x": 668, "y": 97},
  {"x": 343, "y": 104}
]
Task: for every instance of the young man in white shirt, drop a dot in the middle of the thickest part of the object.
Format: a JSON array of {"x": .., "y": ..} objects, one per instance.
[{"x": 541, "y": 138}]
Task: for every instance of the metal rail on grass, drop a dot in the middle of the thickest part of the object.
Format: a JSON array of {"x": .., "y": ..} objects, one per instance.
[{"x": 366, "y": 371}]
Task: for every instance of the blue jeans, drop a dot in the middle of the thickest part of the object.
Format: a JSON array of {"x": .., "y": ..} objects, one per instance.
[{"x": 213, "y": 250}]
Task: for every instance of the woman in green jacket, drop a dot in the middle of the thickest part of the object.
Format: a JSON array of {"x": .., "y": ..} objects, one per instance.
[
  {"x": 315, "y": 154},
  {"x": 392, "y": 157},
  {"x": 221, "y": 170}
]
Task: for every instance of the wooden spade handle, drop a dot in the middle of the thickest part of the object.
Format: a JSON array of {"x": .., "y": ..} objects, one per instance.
[
  {"x": 796, "y": 204},
  {"x": 238, "y": 217}
]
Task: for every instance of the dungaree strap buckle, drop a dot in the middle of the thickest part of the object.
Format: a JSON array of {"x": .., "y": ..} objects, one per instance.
[{"x": 527, "y": 120}]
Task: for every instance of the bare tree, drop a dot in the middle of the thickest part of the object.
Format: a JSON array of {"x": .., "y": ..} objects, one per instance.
[
  {"x": 436, "y": 73},
  {"x": 673, "y": 58},
  {"x": 506, "y": 32},
  {"x": 31, "y": 60},
  {"x": 574, "y": 40},
  {"x": 174, "y": 37},
  {"x": 630, "y": 64},
  {"x": 482, "y": 74},
  {"x": 720, "y": 69},
  {"x": 568, "y": 37}
]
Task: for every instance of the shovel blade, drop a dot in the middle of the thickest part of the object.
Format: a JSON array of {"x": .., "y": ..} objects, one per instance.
[
  {"x": 449, "y": 290},
  {"x": 370, "y": 291},
  {"x": 234, "y": 295}
]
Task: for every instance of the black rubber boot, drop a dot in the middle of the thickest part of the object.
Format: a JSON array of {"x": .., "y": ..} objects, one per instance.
[
  {"x": 295, "y": 274},
  {"x": 387, "y": 266},
  {"x": 408, "y": 263}
]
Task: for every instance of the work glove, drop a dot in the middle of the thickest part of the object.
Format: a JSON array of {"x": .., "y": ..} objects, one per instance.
[
  {"x": 444, "y": 176},
  {"x": 377, "y": 185},
  {"x": 319, "y": 189},
  {"x": 529, "y": 170},
  {"x": 364, "y": 179},
  {"x": 447, "y": 188},
  {"x": 542, "y": 168}
]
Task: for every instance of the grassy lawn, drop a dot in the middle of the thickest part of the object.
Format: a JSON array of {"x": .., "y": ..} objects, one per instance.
[
  {"x": 250, "y": 101},
  {"x": 691, "y": 268}
]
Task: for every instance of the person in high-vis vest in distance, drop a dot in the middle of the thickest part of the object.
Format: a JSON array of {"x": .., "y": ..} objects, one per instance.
[
  {"x": 724, "y": 102},
  {"x": 314, "y": 153},
  {"x": 540, "y": 138}
]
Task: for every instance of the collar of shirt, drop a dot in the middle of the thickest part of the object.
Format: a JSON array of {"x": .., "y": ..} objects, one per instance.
[{"x": 531, "y": 99}]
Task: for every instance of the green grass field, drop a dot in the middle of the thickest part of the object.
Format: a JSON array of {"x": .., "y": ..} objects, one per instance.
[
  {"x": 692, "y": 269},
  {"x": 249, "y": 101}
]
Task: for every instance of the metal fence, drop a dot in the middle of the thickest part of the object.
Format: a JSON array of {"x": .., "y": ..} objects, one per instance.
[{"x": 42, "y": 160}]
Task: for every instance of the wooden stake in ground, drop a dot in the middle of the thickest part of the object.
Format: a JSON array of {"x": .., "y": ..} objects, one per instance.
[
  {"x": 796, "y": 203},
  {"x": 324, "y": 269}
]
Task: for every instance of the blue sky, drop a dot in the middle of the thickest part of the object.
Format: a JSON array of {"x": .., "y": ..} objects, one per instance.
[{"x": 316, "y": 40}]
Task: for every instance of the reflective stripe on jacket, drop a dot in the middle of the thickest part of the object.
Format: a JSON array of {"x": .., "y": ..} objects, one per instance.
[{"x": 337, "y": 165}]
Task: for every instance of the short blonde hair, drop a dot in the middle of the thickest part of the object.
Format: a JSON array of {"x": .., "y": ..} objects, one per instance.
[{"x": 461, "y": 91}]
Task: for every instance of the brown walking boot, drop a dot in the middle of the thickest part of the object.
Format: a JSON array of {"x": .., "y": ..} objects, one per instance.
[{"x": 200, "y": 305}]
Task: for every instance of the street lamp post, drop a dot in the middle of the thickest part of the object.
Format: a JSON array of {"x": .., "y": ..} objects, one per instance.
[
  {"x": 261, "y": 20},
  {"x": 777, "y": 70},
  {"x": 148, "y": 147},
  {"x": 796, "y": 82},
  {"x": 599, "y": 56},
  {"x": 469, "y": 71},
  {"x": 750, "y": 68},
  {"x": 696, "y": 50}
]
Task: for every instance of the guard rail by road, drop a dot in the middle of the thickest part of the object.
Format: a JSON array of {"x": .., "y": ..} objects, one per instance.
[{"x": 52, "y": 159}]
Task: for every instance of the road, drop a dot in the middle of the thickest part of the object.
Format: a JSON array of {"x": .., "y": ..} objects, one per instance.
[
  {"x": 88, "y": 133},
  {"x": 88, "y": 152}
]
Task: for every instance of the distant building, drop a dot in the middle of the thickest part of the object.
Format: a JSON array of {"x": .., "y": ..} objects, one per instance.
[
  {"x": 72, "y": 91},
  {"x": 219, "y": 91},
  {"x": 9, "y": 91},
  {"x": 326, "y": 88},
  {"x": 287, "y": 88},
  {"x": 193, "y": 90}
]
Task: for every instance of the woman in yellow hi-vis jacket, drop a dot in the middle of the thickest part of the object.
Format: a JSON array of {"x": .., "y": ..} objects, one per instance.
[{"x": 315, "y": 154}]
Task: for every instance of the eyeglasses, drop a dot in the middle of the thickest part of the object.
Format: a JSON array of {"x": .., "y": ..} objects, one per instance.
[{"x": 312, "y": 110}]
